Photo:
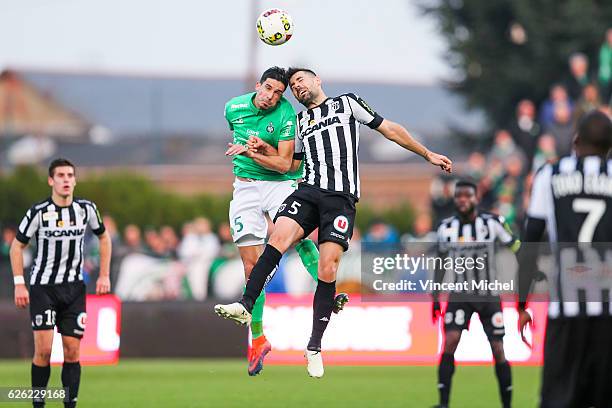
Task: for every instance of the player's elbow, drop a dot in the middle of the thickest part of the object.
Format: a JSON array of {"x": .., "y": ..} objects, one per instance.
[{"x": 285, "y": 167}]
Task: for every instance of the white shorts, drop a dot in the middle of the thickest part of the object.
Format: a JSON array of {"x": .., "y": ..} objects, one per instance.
[{"x": 251, "y": 201}]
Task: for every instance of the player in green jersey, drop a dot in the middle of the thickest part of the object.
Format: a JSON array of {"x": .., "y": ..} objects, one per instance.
[{"x": 262, "y": 184}]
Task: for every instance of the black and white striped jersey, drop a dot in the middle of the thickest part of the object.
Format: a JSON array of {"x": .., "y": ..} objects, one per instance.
[
  {"x": 574, "y": 197},
  {"x": 475, "y": 240},
  {"x": 328, "y": 139},
  {"x": 59, "y": 233}
]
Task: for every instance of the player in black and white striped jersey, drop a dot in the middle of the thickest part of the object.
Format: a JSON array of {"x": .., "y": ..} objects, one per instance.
[
  {"x": 573, "y": 201},
  {"x": 57, "y": 291},
  {"x": 328, "y": 141},
  {"x": 471, "y": 234}
]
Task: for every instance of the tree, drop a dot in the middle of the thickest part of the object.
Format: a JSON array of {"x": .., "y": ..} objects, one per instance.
[{"x": 505, "y": 50}]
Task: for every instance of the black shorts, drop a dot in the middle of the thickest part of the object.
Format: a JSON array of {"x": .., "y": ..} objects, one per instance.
[
  {"x": 458, "y": 315},
  {"x": 60, "y": 305},
  {"x": 332, "y": 212},
  {"x": 577, "y": 369}
]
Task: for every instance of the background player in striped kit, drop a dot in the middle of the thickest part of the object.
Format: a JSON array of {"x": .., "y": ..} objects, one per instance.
[
  {"x": 57, "y": 291},
  {"x": 262, "y": 184},
  {"x": 572, "y": 199},
  {"x": 455, "y": 234},
  {"x": 328, "y": 140}
]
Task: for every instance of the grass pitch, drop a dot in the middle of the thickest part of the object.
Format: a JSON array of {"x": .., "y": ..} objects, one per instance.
[{"x": 225, "y": 383}]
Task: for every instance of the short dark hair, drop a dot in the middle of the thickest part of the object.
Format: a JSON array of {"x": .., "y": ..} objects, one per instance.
[
  {"x": 466, "y": 183},
  {"x": 277, "y": 73},
  {"x": 59, "y": 162},
  {"x": 294, "y": 70},
  {"x": 595, "y": 129}
]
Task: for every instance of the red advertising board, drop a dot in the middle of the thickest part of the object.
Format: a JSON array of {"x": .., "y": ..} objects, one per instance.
[
  {"x": 389, "y": 333},
  {"x": 100, "y": 344}
]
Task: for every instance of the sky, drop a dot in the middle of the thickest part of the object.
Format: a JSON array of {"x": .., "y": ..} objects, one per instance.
[{"x": 365, "y": 40}]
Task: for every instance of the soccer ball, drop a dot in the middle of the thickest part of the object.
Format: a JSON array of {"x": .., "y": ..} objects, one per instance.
[{"x": 274, "y": 27}]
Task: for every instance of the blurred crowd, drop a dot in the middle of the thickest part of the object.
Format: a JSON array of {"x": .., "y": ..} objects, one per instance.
[
  {"x": 198, "y": 262},
  {"x": 536, "y": 135}
]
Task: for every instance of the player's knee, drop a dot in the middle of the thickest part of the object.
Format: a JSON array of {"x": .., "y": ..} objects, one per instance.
[
  {"x": 451, "y": 342},
  {"x": 497, "y": 348},
  {"x": 281, "y": 241},
  {"x": 42, "y": 355},
  {"x": 71, "y": 353},
  {"x": 328, "y": 269}
]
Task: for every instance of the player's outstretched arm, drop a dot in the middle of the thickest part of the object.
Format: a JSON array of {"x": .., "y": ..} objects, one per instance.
[
  {"x": 267, "y": 156},
  {"x": 103, "y": 282},
  {"x": 22, "y": 297},
  {"x": 398, "y": 134}
]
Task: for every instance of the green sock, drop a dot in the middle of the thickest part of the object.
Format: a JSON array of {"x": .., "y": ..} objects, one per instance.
[
  {"x": 257, "y": 316},
  {"x": 309, "y": 254}
]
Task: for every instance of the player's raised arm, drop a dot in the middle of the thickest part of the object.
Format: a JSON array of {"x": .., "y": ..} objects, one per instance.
[{"x": 398, "y": 134}]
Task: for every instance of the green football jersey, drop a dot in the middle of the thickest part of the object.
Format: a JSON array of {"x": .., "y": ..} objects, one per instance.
[{"x": 272, "y": 126}]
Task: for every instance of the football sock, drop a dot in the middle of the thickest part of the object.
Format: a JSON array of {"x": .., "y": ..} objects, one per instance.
[
  {"x": 309, "y": 254},
  {"x": 322, "y": 306},
  {"x": 260, "y": 275},
  {"x": 257, "y": 316},
  {"x": 40, "y": 378},
  {"x": 445, "y": 374},
  {"x": 504, "y": 378},
  {"x": 71, "y": 378}
]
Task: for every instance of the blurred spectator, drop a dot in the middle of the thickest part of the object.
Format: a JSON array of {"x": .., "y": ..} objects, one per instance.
[
  {"x": 509, "y": 190},
  {"x": 441, "y": 192},
  {"x": 170, "y": 240},
  {"x": 524, "y": 129},
  {"x": 557, "y": 96},
  {"x": 155, "y": 244},
  {"x": 503, "y": 145},
  {"x": 199, "y": 248},
  {"x": 422, "y": 230},
  {"x": 228, "y": 248},
  {"x": 605, "y": 67},
  {"x": 381, "y": 237},
  {"x": 562, "y": 129},
  {"x": 579, "y": 75},
  {"x": 476, "y": 165},
  {"x": 589, "y": 101},
  {"x": 546, "y": 151},
  {"x": 132, "y": 239}
]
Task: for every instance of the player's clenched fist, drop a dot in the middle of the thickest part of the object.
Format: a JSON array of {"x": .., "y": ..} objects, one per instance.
[{"x": 22, "y": 297}]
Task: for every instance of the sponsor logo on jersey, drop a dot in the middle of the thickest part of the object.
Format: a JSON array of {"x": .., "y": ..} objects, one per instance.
[
  {"x": 239, "y": 121},
  {"x": 335, "y": 105},
  {"x": 252, "y": 132},
  {"x": 239, "y": 105},
  {"x": 341, "y": 223},
  {"x": 65, "y": 233},
  {"x": 50, "y": 215},
  {"x": 324, "y": 123},
  {"x": 61, "y": 223},
  {"x": 270, "y": 128}
]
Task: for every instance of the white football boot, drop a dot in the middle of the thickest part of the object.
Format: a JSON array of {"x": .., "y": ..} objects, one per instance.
[
  {"x": 315, "y": 363},
  {"x": 234, "y": 311}
]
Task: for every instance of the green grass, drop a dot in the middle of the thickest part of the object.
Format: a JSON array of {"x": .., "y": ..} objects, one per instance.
[{"x": 224, "y": 383}]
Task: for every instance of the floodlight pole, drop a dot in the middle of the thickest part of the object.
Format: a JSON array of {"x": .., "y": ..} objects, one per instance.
[{"x": 251, "y": 75}]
